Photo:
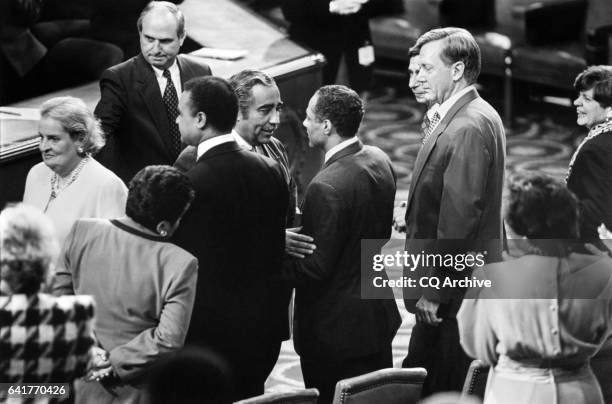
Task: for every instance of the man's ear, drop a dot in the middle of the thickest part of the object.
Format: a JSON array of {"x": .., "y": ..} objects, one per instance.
[
  {"x": 201, "y": 120},
  {"x": 457, "y": 70},
  {"x": 182, "y": 39},
  {"x": 327, "y": 127}
]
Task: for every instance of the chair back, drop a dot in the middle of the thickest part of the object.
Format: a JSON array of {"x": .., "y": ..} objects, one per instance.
[
  {"x": 476, "y": 379},
  {"x": 308, "y": 396},
  {"x": 389, "y": 386}
]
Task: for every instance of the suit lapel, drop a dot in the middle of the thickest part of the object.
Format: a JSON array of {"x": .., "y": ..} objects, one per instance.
[
  {"x": 427, "y": 148},
  {"x": 347, "y": 151},
  {"x": 151, "y": 96}
]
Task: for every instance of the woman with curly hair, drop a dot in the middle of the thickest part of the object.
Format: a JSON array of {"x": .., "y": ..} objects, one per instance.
[
  {"x": 144, "y": 286},
  {"x": 548, "y": 311}
]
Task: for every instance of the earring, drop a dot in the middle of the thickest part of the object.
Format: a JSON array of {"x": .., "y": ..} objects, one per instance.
[
  {"x": 163, "y": 232},
  {"x": 80, "y": 150}
]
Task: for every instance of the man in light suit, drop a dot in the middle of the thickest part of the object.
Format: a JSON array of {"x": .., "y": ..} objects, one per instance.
[
  {"x": 456, "y": 193},
  {"x": 337, "y": 333},
  {"x": 138, "y": 101},
  {"x": 236, "y": 229}
]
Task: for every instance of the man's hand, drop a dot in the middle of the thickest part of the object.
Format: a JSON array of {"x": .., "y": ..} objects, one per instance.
[
  {"x": 426, "y": 311},
  {"x": 298, "y": 245},
  {"x": 345, "y": 7}
]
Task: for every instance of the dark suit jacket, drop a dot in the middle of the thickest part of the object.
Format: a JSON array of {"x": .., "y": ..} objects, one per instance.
[
  {"x": 456, "y": 188},
  {"x": 591, "y": 180},
  {"x": 350, "y": 199},
  {"x": 313, "y": 24},
  {"x": 236, "y": 229},
  {"x": 133, "y": 115}
]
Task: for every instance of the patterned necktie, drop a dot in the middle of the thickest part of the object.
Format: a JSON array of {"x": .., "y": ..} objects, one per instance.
[
  {"x": 431, "y": 125},
  {"x": 170, "y": 100}
]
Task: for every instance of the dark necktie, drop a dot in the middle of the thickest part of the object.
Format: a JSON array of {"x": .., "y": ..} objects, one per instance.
[{"x": 170, "y": 100}]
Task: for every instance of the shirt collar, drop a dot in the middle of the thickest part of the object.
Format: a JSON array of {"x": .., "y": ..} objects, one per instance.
[
  {"x": 212, "y": 142},
  {"x": 340, "y": 146},
  {"x": 443, "y": 108},
  {"x": 174, "y": 70},
  {"x": 241, "y": 142}
]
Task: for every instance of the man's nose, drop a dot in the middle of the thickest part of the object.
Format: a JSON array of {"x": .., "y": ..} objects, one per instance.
[{"x": 275, "y": 118}]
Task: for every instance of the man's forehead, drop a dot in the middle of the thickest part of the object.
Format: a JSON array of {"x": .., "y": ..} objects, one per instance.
[{"x": 264, "y": 95}]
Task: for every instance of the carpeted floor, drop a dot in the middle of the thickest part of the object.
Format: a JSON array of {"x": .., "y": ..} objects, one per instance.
[{"x": 543, "y": 138}]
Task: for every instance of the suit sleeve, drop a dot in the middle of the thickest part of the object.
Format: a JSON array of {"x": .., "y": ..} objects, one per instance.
[
  {"x": 324, "y": 220},
  {"x": 297, "y": 11},
  {"x": 62, "y": 279},
  {"x": 596, "y": 174},
  {"x": 112, "y": 104},
  {"x": 462, "y": 201},
  {"x": 132, "y": 358}
]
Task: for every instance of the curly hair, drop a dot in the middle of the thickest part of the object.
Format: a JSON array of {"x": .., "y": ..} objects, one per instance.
[
  {"x": 541, "y": 207},
  {"x": 598, "y": 78},
  {"x": 342, "y": 107},
  {"x": 27, "y": 247},
  {"x": 158, "y": 193},
  {"x": 77, "y": 120}
]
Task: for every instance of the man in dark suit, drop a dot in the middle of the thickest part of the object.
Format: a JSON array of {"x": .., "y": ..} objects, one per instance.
[
  {"x": 337, "y": 29},
  {"x": 337, "y": 333},
  {"x": 236, "y": 229},
  {"x": 455, "y": 193},
  {"x": 139, "y": 96}
]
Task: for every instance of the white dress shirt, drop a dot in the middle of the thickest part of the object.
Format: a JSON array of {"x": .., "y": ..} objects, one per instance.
[
  {"x": 175, "y": 74},
  {"x": 212, "y": 142},
  {"x": 340, "y": 146},
  {"x": 442, "y": 109}
]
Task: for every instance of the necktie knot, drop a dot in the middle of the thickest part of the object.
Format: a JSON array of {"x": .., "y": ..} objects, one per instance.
[{"x": 166, "y": 74}]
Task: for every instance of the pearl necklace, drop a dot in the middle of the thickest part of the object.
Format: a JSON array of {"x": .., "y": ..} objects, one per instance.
[{"x": 56, "y": 180}]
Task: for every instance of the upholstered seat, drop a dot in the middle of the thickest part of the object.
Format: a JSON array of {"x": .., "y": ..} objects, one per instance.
[
  {"x": 389, "y": 386},
  {"x": 476, "y": 379}
]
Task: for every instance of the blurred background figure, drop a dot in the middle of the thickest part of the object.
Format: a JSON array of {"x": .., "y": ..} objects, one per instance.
[
  {"x": 34, "y": 344},
  {"x": 143, "y": 285},
  {"x": 192, "y": 376},
  {"x": 590, "y": 169},
  {"x": 340, "y": 30},
  {"x": 69, "y": 184},
  {"x": 39, "y": 58},
  {"x": 547, "y": 312}
]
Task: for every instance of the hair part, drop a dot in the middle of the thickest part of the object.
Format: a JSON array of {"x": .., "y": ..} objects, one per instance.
[
  {"x": 27, "y": 247},
  {"x": 156, "y": 194},
  {"x": 77, "y": 120},
  {"x": 214, "y": 97},
  {"x": 161, "y": 5},
  {"x": 243, "y": 83},
  {"x": 342, "y": 107},
  {"x": 598, "y": 78},
  {"x": 458, "y": 46}
]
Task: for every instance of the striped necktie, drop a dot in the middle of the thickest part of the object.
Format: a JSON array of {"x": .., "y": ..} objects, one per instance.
[{"x": 431, "y": 125}]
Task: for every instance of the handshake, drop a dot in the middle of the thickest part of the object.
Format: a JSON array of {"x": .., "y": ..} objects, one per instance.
[{"x": 346, "y": 7}]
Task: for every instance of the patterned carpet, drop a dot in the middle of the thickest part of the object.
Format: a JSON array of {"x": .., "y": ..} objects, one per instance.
[{"x": 543, "y": 139}]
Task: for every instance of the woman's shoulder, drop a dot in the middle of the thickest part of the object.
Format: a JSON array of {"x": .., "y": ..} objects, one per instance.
[
  {"x": 38, "y": 171},
  {"x": 97, "y": 174}
]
